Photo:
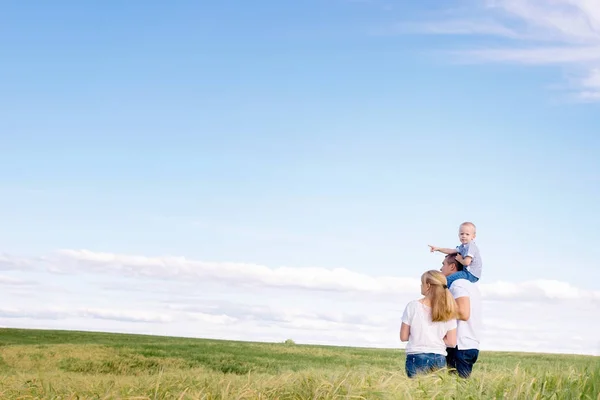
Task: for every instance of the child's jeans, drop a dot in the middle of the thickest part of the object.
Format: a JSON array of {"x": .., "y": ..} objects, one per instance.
[{"x": 464, "y": 274}]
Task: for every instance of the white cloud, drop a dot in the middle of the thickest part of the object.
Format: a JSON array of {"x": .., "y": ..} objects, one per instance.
[
  {"x": 541, "y": 289},
  {"x": 220, "y": 319},
  {"x": 286, "y": 315},
  {"x": 8, "y": 262},
  {"x": 124, "y": 315},
  {"x": 539, "y": 32},
  {"x": 9, "y": 281},
  {"x": 55, "y": 313},
  {"x": 537, "y": 55},
  {"x": 182, "y": 297},
  {"x": 338, "y": 279},
  {"x": 456, "y": 27}
]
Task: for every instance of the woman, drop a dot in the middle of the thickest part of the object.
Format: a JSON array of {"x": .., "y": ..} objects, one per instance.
[{"x": 429, "y": 326}]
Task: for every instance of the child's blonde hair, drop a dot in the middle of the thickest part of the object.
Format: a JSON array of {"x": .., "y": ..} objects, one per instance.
[
  {"x": 469, "y": 224},
  {"x": 443, "y": 306}
]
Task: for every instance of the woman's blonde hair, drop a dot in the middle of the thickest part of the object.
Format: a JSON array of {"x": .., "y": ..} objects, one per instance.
[{"x": 443, "y": 306}]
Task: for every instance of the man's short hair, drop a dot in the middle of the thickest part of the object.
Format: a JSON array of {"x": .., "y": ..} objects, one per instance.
[{"x": 451, "y": 258}]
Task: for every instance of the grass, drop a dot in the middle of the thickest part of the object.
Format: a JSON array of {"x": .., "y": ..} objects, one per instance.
[{"x": 87, "y": 365}]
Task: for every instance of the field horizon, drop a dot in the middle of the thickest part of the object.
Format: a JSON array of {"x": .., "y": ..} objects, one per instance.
[
  {"x": 108, "y": 332},
  {"x": 73, "y": 364}
]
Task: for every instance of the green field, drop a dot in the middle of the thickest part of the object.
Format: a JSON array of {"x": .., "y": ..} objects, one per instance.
[{"x": 82, "y": 365}]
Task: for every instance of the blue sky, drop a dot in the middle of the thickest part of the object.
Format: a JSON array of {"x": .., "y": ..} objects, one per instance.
[{"x": 326, "y": 134}]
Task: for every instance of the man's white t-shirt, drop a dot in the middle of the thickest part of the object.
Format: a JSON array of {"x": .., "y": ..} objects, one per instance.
[
  {"x": 425, "y": 336},
  {"x": 468, "y": 332}
]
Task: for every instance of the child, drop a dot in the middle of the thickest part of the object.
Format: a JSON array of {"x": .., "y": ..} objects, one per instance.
[
  {"x": 468, "y": 254},
  {"x": 429, "y": 326}
]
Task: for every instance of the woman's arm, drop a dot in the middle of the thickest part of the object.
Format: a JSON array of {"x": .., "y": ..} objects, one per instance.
[
  {"x": 404, "y": 332},
  {"x": 450, "y": 338}
]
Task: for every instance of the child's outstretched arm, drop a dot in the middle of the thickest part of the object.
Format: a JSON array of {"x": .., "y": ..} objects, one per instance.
[{"x": 442, "y": 250}]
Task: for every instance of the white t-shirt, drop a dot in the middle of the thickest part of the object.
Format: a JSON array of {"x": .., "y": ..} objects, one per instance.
[
  {"x": 468, "y": 332},
  {"x": 425, "y": 336}
]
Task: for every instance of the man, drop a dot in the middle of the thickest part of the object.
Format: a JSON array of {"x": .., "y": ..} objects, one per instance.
[{"x": 468, "y": 301}]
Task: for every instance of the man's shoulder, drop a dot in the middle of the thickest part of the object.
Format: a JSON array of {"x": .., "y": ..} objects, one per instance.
[
  {"x": 463, "y": 282},
  {"x": 464, "y": 287}
]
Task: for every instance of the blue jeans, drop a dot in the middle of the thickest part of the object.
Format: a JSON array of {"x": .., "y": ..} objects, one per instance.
[
  {"x": 420, "y": 363},
  {"x": 464, "y": 274},
  {"x": 461, "y": 361}
]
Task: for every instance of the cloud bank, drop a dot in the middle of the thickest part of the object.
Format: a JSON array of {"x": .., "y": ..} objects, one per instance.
[
  {"x": 82, "y": 289},
  {"x": 337, "y": 280}
]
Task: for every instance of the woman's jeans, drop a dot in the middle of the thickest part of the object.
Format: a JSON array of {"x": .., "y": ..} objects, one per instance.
[{"x": 422, "y": 363}]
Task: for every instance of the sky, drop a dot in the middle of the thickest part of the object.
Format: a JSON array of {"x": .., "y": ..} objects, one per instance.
[{"x": 269, "y": 170}]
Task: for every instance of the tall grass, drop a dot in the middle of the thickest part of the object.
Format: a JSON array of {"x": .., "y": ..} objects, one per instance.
[{"x": 76, "y": 365}]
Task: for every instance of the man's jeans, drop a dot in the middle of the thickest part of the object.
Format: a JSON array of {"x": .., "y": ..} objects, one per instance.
[
  {"x": 421, "y": 363},
  {"x": 461, "y": 361}
]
